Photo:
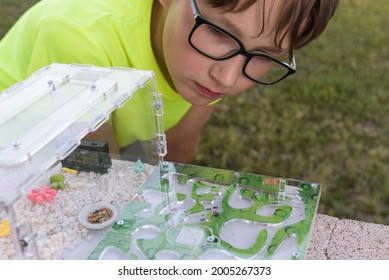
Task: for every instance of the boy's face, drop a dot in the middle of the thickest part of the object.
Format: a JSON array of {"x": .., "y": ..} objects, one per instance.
[{"x": 199, "y": 79}]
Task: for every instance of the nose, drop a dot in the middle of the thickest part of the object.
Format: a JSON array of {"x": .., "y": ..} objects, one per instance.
[{"x": 227, "y": 72}]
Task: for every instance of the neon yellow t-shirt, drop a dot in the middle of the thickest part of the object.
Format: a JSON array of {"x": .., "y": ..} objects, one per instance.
[{"x": 98, "y": 32}]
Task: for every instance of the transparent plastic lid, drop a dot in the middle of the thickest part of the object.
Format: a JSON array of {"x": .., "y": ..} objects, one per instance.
[{"x": 43, "y": 118}]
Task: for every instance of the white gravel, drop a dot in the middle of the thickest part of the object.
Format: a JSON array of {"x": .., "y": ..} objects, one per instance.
[{"x": 56, "y": 223}]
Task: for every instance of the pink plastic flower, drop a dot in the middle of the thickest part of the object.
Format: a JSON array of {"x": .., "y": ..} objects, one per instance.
[{"x": 38, "y": 196}]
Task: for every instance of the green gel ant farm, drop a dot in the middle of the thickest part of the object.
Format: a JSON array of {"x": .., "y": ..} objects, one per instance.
[{"x": 192, "y": 212}]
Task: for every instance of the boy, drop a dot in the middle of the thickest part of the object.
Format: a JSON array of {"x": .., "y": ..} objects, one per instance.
[{"x": 200, "y": 50}]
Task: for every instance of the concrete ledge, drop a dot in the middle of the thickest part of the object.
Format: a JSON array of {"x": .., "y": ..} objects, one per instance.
[{"x": 342, "y": 239}]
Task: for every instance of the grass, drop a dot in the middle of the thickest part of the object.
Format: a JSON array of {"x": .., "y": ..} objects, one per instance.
[
  {"x": 328, "y": 123},
  {"x": 11, "y": 11}
]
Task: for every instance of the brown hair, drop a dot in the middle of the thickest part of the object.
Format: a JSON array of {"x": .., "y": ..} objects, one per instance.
[{"x": 300, "y": 20}]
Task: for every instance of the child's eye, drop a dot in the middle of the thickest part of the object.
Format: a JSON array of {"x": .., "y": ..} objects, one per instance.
[
  {"x": 217, "y": 33},
  {"x": 262, "y": 60}
]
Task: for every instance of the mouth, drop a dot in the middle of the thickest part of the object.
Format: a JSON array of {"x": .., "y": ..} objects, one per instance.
[{"x": 207, "y": 93}]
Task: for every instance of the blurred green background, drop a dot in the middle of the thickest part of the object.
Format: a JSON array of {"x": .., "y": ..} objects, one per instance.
[{"x": 328, "y": 123}]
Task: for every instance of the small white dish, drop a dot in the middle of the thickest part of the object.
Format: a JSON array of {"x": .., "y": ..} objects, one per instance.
[{"x": 88, "y": 209}]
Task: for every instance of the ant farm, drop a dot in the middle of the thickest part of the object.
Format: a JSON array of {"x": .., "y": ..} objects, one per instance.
[
  {"x": 194, "y": 212},
  {"x": 65, "y": 197}
]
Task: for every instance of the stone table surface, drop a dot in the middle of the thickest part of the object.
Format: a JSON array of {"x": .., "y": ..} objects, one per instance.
[{"x": 343, "y": 239}]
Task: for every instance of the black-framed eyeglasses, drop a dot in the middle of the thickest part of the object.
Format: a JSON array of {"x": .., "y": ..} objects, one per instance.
[{"x": 218, "y": 44}]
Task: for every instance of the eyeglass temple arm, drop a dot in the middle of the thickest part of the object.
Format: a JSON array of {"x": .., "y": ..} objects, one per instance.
[
  {"x": 292, "y": 60},
  {"x": 194, "y": 8}
]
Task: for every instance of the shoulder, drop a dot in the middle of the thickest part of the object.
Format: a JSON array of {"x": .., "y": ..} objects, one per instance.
[{"x": 85, "y": 12}]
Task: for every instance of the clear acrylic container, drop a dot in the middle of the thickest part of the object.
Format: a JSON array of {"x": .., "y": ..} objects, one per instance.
[{"x": 42, "y": 123}]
